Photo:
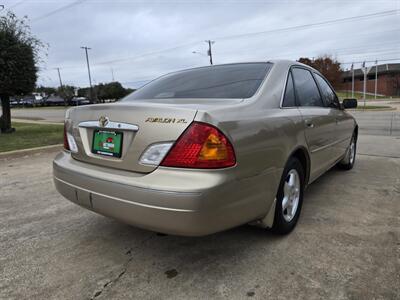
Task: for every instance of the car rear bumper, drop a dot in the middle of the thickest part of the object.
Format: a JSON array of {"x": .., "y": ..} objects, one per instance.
[{"x": 173, "y": 201}]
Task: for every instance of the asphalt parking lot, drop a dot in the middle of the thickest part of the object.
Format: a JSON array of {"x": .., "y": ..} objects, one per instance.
[
  {"x": 346, "y": 245},
  {"x": 54, "y": 114},
  {"x": 380, "y": 123}
]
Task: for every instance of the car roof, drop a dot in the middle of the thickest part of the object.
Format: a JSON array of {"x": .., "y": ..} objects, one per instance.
[{"x": 281, "y": 62}]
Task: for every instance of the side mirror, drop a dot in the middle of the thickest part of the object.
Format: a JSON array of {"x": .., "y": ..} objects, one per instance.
[{"x": 349, "y": 103}]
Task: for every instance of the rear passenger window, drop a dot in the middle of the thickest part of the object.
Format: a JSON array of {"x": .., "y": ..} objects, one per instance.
[
  {"x": 289, "y": 99},
  {"x": 306, "y": 88},
  {"x": 328, "y": 94}
]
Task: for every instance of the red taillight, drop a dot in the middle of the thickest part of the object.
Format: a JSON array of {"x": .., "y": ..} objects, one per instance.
[
  {"x": 66, "y": 145},
  {"x": 201, "y": 146}
]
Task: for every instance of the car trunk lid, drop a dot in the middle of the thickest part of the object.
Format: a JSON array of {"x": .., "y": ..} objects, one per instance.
[{"x": 141, "y": 124}]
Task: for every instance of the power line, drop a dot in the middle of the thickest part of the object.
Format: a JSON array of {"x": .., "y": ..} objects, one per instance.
[
  {"x": 304, "y": 26},
  {"x": 147, "y": 54},
  {"x": 16, "y": 4},
  {"x": 53, "y": 12},
  {"x": 338, "y": 50},
  {"x": 298, "y": 27}
]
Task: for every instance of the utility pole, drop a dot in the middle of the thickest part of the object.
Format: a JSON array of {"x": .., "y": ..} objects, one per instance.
[
  {"x": 88, "y": 67},
  {"x": 210, "y": 42},
  {"x": 352, "y": 80},
  {"x": 365, "y": 71},
  {"x": 59, "y": 77},
  {"x": 61, "y": 86},
  {"x": 112, "y": 75},
  {"x": 376, "y": 77}
]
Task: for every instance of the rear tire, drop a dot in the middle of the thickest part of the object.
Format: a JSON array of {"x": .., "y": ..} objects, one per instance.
[
  {"x": 347, "y": 163},
  {"x": 289, "y": 198}
]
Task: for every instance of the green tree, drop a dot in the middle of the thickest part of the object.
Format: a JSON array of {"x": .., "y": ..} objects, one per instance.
[
  {"x": 129, "y": 90},
  {"x": 67, "y": 92},
  {"x": 19, "y": 53},
  {"x": 328, "y": 66},
  {"x": 46, "y": 90},
  {"x": 112, "y": 90},
  {"x": 105, "y": 91},
  {"x": 84, "y": 92}
]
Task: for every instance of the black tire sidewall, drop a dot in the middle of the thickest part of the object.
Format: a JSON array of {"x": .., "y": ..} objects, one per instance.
[
  {"x": 353, "y": 139},
  {"x": 349, "y": 166},
  {"x": 281, "y": 226}
]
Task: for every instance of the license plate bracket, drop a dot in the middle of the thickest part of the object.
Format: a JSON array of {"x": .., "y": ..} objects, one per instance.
[{"x": 107, "y": 143}]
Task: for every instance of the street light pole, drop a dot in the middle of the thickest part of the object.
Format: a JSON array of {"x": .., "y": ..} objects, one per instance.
[
  {"x": 88, "y": 67},
  {"x": 376, "y": 77},
  {"x": 210, "y": 42},
  {"x": 365, "y": 71},
  {"x": 352, "y": 80},
  {"x": 365, "y": 82}
]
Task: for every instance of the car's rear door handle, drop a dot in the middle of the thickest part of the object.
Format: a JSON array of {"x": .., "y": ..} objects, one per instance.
[{"x": 309, "y": 124}]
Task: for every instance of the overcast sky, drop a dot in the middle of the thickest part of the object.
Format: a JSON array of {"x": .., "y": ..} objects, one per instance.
[{"x": 141, "y": 40}]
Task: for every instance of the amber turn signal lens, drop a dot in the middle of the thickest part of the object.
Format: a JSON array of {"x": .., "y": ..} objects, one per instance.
[
  {"x": 201, "y": 146},
  {"x": 213, "y": 149}
]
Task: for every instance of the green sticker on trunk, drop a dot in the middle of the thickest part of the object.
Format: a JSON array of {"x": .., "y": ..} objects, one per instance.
[{"x": 108, "y": 143}]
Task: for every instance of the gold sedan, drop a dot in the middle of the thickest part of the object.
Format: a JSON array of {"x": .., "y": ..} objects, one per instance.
[{"x": 207, "y": 149}]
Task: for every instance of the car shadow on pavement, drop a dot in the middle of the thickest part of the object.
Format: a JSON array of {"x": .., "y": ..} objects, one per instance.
[{"x": 244, "y": 236}]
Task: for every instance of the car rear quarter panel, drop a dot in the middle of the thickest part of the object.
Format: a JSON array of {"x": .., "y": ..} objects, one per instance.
[
  {"x": 263, "y": 134},
  {"x": 263, "y": 139}
]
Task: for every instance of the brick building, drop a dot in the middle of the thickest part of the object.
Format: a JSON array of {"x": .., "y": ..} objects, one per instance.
[{"x": 388, "y": 80}]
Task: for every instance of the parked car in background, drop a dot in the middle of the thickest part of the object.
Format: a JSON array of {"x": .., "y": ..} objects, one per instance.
[
  {"x": 31, "y": 101},
  {"x": 39, "y": 100},
  {"x": 109, "y": 100},
  {"x": 14, "y": 102},
  {"x": 207, "y": 149},
  {"x": 27, "y": 101},
  {"x": 79, "y": 101},
  {"x": 54, "y": 100}
]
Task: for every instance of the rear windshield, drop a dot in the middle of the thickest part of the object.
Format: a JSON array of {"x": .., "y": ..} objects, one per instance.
[{"x": 224, "y": 81}]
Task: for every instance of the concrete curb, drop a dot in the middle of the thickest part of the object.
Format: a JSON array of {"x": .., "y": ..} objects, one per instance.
[
  {"x": 23, "y": 152},
  {"x": 36, "y": 122},
  {"x": 374, "y": 109}
]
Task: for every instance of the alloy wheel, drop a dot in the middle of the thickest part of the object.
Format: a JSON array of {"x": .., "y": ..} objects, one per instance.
[{"x": 291, "y": 195}]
